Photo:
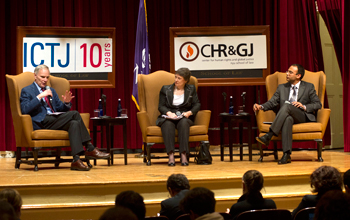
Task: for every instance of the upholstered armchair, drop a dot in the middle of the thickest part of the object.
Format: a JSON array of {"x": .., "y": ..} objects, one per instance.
[
  {"x": 312, "y": 131},
  {"x": 25, "y": 136},
  {"x": 148, "y": 90}
]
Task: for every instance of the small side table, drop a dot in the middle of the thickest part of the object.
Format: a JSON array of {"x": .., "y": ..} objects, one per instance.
[
  {"x": 109, "y": 124},
  {"x": 240, "y": 119}
]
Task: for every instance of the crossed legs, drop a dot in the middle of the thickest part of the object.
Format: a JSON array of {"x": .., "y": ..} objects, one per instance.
[
  {"x": 72, "y": 122},
  {"x": 285, "y": 118}
]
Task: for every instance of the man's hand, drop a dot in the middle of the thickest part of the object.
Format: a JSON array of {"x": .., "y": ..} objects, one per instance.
[
  {"x": 44, "y": 94},
  {"x": 298, "y": 105},
  {"x": 257, "y": 107},
  {"x": 67, "y": 97},
  {"x": 187, "y": 114},
  {"x": 171, "y": 115}
]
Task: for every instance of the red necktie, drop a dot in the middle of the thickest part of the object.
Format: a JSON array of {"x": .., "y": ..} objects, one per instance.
[{"x": 47, "y": 101}]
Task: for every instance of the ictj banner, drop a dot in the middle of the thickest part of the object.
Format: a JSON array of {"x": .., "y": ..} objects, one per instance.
[
  {"x": 68, "y": 55},
  {"x": 221, "y": 52}
]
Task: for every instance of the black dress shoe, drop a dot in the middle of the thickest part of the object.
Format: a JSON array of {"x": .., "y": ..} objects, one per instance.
[
  {"x": 265, "y": 140},
  {"x": 171, "y": 164},
  {"x": 184, "y": 164},
  {"x": 285, "y": 159}
]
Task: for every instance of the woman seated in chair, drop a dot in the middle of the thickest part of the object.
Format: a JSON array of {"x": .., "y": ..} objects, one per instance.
[
  {"x": 180, "y": 103},
  {"x": 252, "y": 183}
]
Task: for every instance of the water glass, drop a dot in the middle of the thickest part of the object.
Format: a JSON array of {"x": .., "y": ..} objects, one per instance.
[
  {"x": 97, "y": 113},
  {"x": 124, "y": 113}
]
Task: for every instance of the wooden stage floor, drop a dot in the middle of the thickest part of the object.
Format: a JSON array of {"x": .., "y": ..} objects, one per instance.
[{"x": 61, "y": 193}]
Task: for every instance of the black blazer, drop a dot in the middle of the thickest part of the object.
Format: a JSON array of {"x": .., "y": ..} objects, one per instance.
[
  {"x": 170, "y": 207},
  {"x": 166, "y": 97},
  {"x": 306, "y": 96},
  {"x": 307, "y": 201},
  {"x": 251, "y": 202}
]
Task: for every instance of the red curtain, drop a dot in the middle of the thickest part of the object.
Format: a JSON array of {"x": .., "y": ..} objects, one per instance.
[
  {"x": 337, "y": 19},
  {"x": 294, "y": 39}
]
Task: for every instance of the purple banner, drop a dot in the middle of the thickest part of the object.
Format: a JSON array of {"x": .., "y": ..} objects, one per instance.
[{"x": 142, "y": 63}]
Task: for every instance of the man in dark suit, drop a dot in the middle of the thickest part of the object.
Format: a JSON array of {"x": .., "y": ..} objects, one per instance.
[
  {"x": 297, "y": 102},
  {"x": 35, "y": 101},
  {"x": 177, "y": 185}
]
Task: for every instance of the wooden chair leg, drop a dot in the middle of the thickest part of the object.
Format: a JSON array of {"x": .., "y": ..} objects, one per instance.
[
  {"x": 35, "y": 155},
  {"x": 275, "y": 152},
  {"x": 144, "y": 152},
  {"x": 261, "y": 152},
  {"x": 149, "y": 145},
  {"x": 319, "y": 149},
  {"x": 58, "y": 157},
  {"x": 18, "y": 157},
  {"x": 88, "y": 163},
  {"x": 27, "y": 154}
]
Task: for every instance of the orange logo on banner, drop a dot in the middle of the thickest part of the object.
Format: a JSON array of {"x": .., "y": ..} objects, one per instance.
[{"x": 189, "y": 51}]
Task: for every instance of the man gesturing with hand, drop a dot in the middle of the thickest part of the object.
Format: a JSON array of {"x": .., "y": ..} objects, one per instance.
[{"x": 35, "y": 102}]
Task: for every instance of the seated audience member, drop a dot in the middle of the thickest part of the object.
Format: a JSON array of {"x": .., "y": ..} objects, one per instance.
[
  {"x": 322, "y": 180},
  {"x": 252, "y": 183},
  {"x": 346, "y": 181},
  {"x": 13, "y": 197},
  {"x": 200, "y": 204},
  {"x": 133, "y": 201},
  {"x": 118, "y": 213},
  {"x": 178, "y": 186},
  {"x": 333, "y": 205},
  {"x": 7, "y": 212}
]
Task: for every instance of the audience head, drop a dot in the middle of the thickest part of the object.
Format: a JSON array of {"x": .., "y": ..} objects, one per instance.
[
  {"x": 253, "y": 182},
  {"x": 176, "y": 183},
  {"x": 118, "y": 213},
  {"x": 301, "y": 70},
  {"x": 198, "y": 201},
  {"x": 133, "y": 201},
  {"x": 7, "y": 212},
  {"x": 13, "y": 197},
  {"x": 184, "y": 73},
  {"x": 333, "y": 205},
  {"x": 346, "y": 180},
  {"x": 325, "y": 178}
]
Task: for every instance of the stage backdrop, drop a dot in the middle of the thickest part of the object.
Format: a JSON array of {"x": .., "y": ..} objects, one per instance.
[{"x": 294, "y": 39}]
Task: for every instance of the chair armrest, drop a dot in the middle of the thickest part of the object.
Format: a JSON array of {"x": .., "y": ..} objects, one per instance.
[
  {"x": 203, "y": 118},
  {"x": 323, "y": 118},
  {"x": 27, "y": 128},
  {"x": 144, "y": 123},
  {"x": 262, "y": 116},
  {"x": 86, "y": 119}
]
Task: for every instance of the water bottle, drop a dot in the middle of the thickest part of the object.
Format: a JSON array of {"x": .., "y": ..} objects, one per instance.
[
  {"x": 100, "y": 107},
  {"x": 230, "y": 110},
  {"x": 119, "y": 108}
]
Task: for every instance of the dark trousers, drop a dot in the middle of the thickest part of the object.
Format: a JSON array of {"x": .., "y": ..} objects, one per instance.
[
  {"x": 285, "y": 118},
  {"x": 183, "y": 130},
  {"x": 71, "y": 122}
]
